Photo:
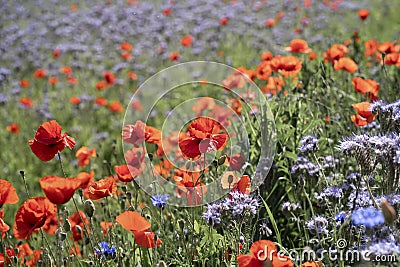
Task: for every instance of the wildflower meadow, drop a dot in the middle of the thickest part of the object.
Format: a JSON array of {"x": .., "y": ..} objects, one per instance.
[{"x": 200, "y": 133}]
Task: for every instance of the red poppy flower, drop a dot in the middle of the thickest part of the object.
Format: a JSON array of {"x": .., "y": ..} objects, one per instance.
[
  {"x": 263, "y": 253},
  {"x": 101, "y": 101},
  {"x": 204, "y": 103},
  {"x": 224, "y": 21},
  {"x": 78, "y": 226},
  {"x": 102, "y": 188},
  {"x": 190, "y": 186},
  {"x": 24, "y": 83},
  {"x": 270, "y": 23},
  {"x": 204, "y": 136},
  {"x": 298, "y": 46},
  {"x": 74, "y": 100},
  {"x": 236, "y": 162},
  {"x": 8, "y": 194},
  {"x": 388, "y": 47},
  {"x": 369, "y": 88},
  {"x": 174, "y": 56},
  {"x": 40, "y": 73},
  {"x": 136, "y": 105},
  {"x": 140, "y": 227},
  {"x": 346, "y": 64},
  {"x": 126, "y": 46},
  {"x": 274, "y": 85},
  {"x": 286, "y": 65},
  {"x": 392, "y": 59},
  {"x": 364, "y": 110},
  {"x": 235, "y": 80},
  {"x": 335, "y": 52},
  {"x": 56, "y": 53},
  {"x": 146, "y": 239},
  {"x": 126, "y": 173},
  {"x": 133, "y": 221},
  {"x": 106, "y": 227},
  {"x": 132, "y": 75},
  {"x": 363, "y": 14},
  {"x": 51, "y": 225},
  {"x": 49, "y": 141},
  {"x": 83, "y": 154},
  {"x": 264, "y": 70},
  {"x": 72, "y": 80},
  {"x": 167, "y": 12},
  {"x": 31, "y": 215},
  {"x": 109, "y": 77},
  {"x": 53, "y": 80},
  {"x": 139, "y": 132},
  {"x": 3, "y": 226},
  {"x": 243, "y": 185},
  {"x": 187, "y": 40},
  {"x": 36, "y": 254},
  {"x": 371, "y": 47},
  {"x": 26, "y": 102},
  {"x": 59, "y": 190},
  {"x": 116, "y": 107},
  {"x": 248, "y": 73},
  {"x": 101, "y": 85},
  {"x": 85, "y": 179}
]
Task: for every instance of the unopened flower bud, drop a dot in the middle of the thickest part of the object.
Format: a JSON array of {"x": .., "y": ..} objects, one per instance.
[
  {"x": 221, "y": 160},
  {"x": 161, "y": 264},
  {"x": 89, "y": 208},
  {"x": 67, "y": 226}
]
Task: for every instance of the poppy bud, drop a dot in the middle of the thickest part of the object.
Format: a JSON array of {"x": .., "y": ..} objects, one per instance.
[
  {"x": 124, "y": 188},
  {"x": 67, "y": 226},
  {"x": 181, "y": 224},
  {"x": 89, "y": 208},
  {"x": 221, "y": 160},
  {"x": 388, "y": 211},
  {"x": 63, "y": 236},
  {"x": 129, "y": 196},
  {"x": 161, "y": 264}
]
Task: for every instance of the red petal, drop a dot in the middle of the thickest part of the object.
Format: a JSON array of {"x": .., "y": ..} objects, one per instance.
[
  {"x": 190, "y": 147},
  {"x": 133, "y": 221},
  {"x": 146, "y": 239},
  {"x": 45, "y": 152},
  {"x": 49, "y": 133}
]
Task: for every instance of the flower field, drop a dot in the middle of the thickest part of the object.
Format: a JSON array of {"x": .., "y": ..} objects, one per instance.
[{"x": 200, "y": 133}]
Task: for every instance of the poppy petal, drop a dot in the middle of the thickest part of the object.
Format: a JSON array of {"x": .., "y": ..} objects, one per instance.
[{"x": 133, "y": 221}]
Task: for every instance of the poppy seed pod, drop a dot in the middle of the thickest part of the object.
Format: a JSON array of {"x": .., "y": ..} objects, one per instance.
[{"x": 89, "y": 208}]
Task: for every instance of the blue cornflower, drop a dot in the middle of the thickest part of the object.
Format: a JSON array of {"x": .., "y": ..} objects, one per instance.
[
  {"x": 160, "y": 200},
  {"x": 308, "y": 144},
  {"x": 105, "y": 251},
  {"x": 370, "y": 217}
]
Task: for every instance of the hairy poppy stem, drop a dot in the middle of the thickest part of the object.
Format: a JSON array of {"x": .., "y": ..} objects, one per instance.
[
  {"x": 61, "y": 165},
  {"x": 22, "y": 173}
]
